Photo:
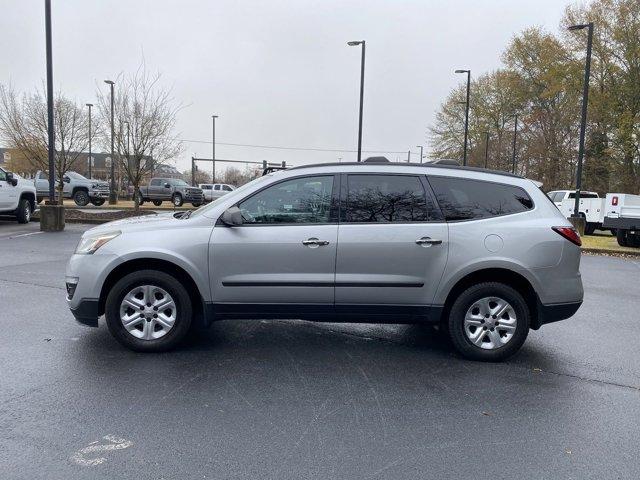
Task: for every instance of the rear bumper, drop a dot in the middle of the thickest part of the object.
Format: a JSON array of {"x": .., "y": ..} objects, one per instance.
[
  {"x": 554, "y": 313},
  {"x": 625, "y": 223},
  {"x": 86, "y": 312}
]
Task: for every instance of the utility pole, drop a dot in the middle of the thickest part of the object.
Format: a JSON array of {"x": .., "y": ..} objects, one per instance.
[
  {"x": 90, "y": 162},
  {"x": 408, "y": 156},
  {"x": 466, "y": 115},
  {"x": 113, "y": 196},
  {"x": 515, "y": 136},
  {"x": 420, "y": 147},
  {"x": 583, "y": 121},
  {"x": 486, "y": 149},
  {"x": 213, "y": 169},
  {"x": 363, "y": 44},
  {"x": 50, "y": 125}
]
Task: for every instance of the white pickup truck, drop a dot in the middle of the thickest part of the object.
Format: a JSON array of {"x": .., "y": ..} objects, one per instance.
[
  {"x": 213, "y": 191},
  {"x": 17, "y": 196},
  {"x": 622, "y": 214},
  {"x": 591, "y": 207},
  {"x": 77, "y": 187}
]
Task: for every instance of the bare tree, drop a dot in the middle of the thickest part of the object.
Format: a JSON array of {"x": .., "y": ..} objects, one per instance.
[
  {"x": 144, "y": 122},
  {"x": 23, "y": 125}
]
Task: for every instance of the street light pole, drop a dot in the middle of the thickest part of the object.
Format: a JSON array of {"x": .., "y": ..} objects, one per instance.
[
  {"x": 515, "y": 137},
  {"x": 128, "y": 154},
  {"x": 583, "y": 121},
  {"x": 353, "y": 44},
  {"x": 113, "y": 198},
  {"x": 213, "y": 156},
  {"x": 50, "y": 126},
  {"x": 420, "y": 147},
  {"x": 486, "y": 149},
  {"x": 466, "y": 115},
  {"x": 89, "y": 105}
]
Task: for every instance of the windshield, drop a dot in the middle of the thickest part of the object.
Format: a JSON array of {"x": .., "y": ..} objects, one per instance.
[
  {"x": 176, "y": 181},
  {"x": 76, "y": 175},
  {"x": 224, "y": 198}
]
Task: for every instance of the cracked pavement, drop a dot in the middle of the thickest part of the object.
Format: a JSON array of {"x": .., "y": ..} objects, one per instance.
[{"x": 290, "y": 399}]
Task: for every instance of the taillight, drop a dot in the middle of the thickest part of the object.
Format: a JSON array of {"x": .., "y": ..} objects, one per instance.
[
  {"x": 569, "y": 233},
  {"x": 614, "y": 201}
]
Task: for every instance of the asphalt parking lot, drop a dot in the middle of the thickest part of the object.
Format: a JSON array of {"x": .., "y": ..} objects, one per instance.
[{"x": 291, "y": 399}]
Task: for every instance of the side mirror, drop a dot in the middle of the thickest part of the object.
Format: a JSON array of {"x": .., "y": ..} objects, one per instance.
[
  {"x": 166, "y": 185},
  {"x": 11, "y": 180},
  {"x": 232, "y": 217}
]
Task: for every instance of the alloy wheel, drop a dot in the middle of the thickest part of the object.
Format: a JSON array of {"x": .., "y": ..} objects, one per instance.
[
  {"x": 148, "y": 312},
  {"x": 490, "y": 323}
]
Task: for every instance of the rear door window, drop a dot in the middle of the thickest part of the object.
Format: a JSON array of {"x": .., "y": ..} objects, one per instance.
[
  {"x": 388, "y": 199},
  {"x": 466, "y": 199}
]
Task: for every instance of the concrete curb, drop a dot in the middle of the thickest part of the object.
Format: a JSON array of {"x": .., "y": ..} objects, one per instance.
[{"x": 609, "y": 251}]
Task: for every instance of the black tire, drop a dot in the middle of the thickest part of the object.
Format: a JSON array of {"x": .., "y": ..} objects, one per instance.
[
  {"x": 23, "y": 212},
  {"x": 589, "y": 228},
  {"x": 157, "y": 203},
  {"x": 176, "y": 199},
  {"x": 97, "y": 201},
  {"x": 196, "y": 204},
  {"x": 81, "y": 197},
  {"x": 633, "y": 240},
  {"x": 621, "y": 236},
  {"x": 160, "y": 279},
  {"x": 466, "y": 300}
]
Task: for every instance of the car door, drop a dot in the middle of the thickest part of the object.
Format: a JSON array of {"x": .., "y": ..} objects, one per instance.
[
  {"x": 5, "y": 192},
  {"x": 284, "y": 253},
  {"x": 392, "y": 245}
]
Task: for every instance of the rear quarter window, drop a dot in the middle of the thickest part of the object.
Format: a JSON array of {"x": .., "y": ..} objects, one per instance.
[{"x": 466, "y": 199}]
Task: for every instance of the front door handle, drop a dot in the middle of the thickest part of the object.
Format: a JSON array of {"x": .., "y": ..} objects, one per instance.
[
  {"x": 428, "y": 241},
  {"x": 313, "y": 242}
]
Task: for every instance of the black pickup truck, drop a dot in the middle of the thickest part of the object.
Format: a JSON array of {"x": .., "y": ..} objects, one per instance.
[{"x": 174, "y": 190}]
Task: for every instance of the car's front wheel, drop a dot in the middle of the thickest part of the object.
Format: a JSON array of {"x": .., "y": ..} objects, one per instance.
[
  {"x": 148, "y": 311},
  {"x": 23, "y": 212},
  {"x": 489, "y": 321},
  {"x": 81, "y": 198},
  {"x": 176, "y": 199}
]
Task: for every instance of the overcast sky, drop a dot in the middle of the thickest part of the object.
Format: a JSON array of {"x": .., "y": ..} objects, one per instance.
[{"x": 276, "y": 72}]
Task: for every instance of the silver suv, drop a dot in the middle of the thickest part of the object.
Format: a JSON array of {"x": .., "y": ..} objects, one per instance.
[{"x": 484, "y": 254}]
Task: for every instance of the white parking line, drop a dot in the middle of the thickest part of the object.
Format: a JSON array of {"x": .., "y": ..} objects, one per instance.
[
  {"x": 115, "y": 443},
  {"x": 26, "y": 234}
]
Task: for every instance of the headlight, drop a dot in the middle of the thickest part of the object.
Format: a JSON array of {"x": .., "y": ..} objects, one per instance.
[{"x": 91, "y": 243}]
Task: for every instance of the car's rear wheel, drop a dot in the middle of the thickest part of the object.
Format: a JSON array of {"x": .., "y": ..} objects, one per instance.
[
  {"x": 157, "y": 203},
  {"x": 97, "y": 201},
  {"x": 621, "y": 236},
  {"x": 148, "y": 311},
  {"x": 489, "y": 321}
]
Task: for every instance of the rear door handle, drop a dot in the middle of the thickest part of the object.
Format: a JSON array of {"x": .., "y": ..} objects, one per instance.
[
  {"x": 428, "y": 241},
  {"x": 313, "y": 242}
]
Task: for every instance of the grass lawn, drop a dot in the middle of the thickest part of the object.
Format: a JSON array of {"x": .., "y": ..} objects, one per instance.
[{"x": 606, "y": 241}]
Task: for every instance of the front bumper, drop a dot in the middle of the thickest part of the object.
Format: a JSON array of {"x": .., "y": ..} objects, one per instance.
[
  {"x": 87, "y": 273},
  {"x": 99, "y": 194},
  {"x": 193, "y": 198},
  {"x": 86, "y": 312}
]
